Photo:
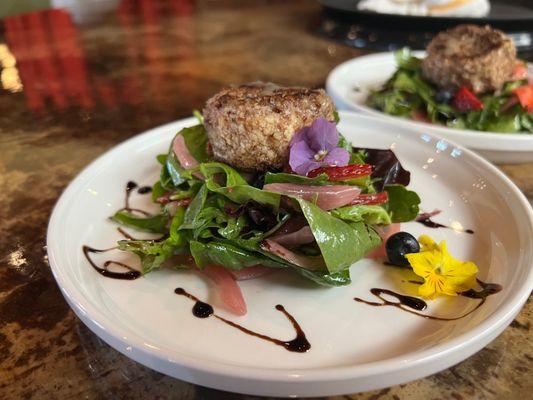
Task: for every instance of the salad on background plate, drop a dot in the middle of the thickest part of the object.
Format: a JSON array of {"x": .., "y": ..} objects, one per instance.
[{"x": 470, "y": 78}]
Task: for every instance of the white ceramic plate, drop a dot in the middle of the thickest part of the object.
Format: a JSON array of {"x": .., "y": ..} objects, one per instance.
[
  {"x": 355, "y": 347},
  {"x": 350, "y": 83}
]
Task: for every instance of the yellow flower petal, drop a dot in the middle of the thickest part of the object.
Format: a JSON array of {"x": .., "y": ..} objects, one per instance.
[
  {"x": 436, "y": 285},
  {"x": 422, "y": 263},
  {"x": 427, "y": 243},
  {"x": 427, "y": 290},
  {"x": 463, "y": 276},
  {"x": 458, "y": 268},
  {"x": 470, "y": 283},
  {"x": 442, "y": 273}
]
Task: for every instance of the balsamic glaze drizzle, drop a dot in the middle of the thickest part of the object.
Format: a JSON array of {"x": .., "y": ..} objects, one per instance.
[
  {"x": 144, "y": 189},
  {"x": 487, "y": 289},
  {"x": 130, "y": 186},
  {"x": 129, "y": 274},
  {"x": 299, "y": 344},
  {"x": 125, "y": 234},
  {"x": 409, "y": 303},
  {"x": 425, "y": 219}
]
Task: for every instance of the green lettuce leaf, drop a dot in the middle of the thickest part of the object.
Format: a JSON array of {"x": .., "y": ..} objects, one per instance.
[
  {"x": 403, "y": 203},
  {"x": 336, "y": 117},
  {"x": 172, "y": 173},
  {"x": 196, "y": 141},
  {"x": 194, "y": 209},
  {"x": 340, "y": 243},
  {"x": 177, "y": 237},
  {"x": 228, "y": 255},
  {"x": 157, "y": 190},
  {"x": 281, "y": 177},
  {"x": 403, "y": 81},
  {"x": 324, "y": 278},
  {"x": 153, "y": 253},
  {"x": 505, "y": 124},
  {"x": 406, "y": 60},
  {"x": 177, "y": 174},
  {"x": 198, "y": 116},
  {"x": 234, "y": 187},
  {"x": 205, "y": 214},
  {"x": 369, "y": 214},
  {"x": 526, "y": 120},
  {"x": 155, "y": 223}
]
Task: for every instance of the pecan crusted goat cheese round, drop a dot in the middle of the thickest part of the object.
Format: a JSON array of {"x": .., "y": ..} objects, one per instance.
[
  {"x": 250, "y": 126},
  {"x": 477, "y": 57}
]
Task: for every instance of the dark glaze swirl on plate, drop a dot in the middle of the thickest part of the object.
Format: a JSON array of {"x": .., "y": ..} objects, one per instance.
[
  {"x": 412, "y": 304},
  {"x": 425, "y": 219},
  {"x": 130, "y": 186},
  {"x": 128, "y": 273},
  {"x": 299, "y": 344}
]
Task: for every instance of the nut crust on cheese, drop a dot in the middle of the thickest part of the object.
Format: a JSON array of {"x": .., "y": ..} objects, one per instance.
[
  {"x": 478, "y": 57},
  {"x": 250, "y": 126}
]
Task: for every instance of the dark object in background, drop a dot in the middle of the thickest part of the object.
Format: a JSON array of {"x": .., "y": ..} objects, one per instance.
[{"x": 342, "y": 22}]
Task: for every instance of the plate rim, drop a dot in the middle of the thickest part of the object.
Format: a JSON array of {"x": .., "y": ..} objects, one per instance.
[
  {"x": 498, "y": 141},
  {"x": 124, "y": 341}
]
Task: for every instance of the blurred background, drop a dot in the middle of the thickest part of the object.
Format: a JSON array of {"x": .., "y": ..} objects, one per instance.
[{"x": 48, "y": 53}]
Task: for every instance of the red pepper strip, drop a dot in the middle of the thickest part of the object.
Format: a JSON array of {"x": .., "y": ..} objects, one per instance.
[
  {"x": 183, "y": 202},
  {"x": 165, "y": 199},
  {"x": 370, "y": 199},
  {"x": 525, "y": 96},
  {"x": 346, "y": 173},
  {"x": 465, "y": 100}
]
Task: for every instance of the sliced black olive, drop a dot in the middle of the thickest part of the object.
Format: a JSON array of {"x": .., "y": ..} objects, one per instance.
[{"x": 400, "y": 244}]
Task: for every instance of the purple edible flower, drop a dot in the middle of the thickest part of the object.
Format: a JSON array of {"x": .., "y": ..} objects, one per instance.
[{"x": 316, "y": 146}]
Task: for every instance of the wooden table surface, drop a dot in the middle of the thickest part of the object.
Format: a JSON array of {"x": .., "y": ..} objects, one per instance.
[{"x": 76, "y": 84}]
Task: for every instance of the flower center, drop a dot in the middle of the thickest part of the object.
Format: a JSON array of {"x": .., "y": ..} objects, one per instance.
[{"x": 320, "y": 155}]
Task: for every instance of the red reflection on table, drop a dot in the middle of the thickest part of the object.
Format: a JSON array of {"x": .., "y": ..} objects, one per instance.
[
  {"x": 52, "y": 64},
  {"x": 17, "y": 38},
  {"x": 71, "y": 58},
  {"x": 50, "y": 59}
]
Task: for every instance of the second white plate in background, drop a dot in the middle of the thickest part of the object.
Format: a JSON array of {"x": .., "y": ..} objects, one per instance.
[{"x": 350, "y": 83}]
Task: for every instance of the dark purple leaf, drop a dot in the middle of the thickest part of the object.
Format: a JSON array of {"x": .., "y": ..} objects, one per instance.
[
  {"x": 261, "y": 217},
  {"x": 387, "y": 168}
]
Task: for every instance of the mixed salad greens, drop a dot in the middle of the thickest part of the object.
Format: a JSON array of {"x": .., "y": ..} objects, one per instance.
[
  {"x": 407, "y": 94},
  {"x": 317, "y": 225}
]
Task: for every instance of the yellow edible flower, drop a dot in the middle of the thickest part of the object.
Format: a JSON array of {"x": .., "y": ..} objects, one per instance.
[{"x": 442, "y": 273}]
